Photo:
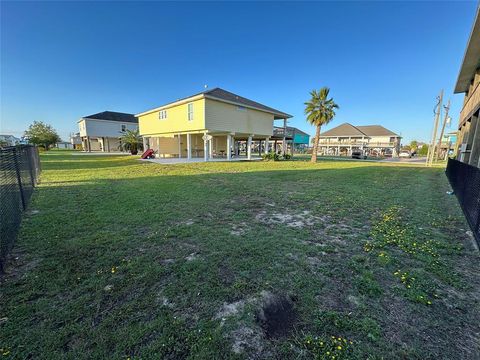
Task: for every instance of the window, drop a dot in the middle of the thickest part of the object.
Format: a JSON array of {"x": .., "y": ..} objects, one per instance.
[
  {"x": 190, "y": 112},
  {"x": 162, "y": 114},
  {"x": 124, "y": 127}
]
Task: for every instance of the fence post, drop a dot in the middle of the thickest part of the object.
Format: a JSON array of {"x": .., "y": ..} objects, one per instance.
[
  {"x": 31, "y": 165},
  {"x": 19, "y": 179}
]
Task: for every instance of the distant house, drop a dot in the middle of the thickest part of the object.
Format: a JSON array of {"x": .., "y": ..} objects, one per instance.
[
  {"x": 448, "y": 143},
  {"x": 296, "y": 137},
  {"x": 468, "y": 82},
  {"x": 213, "y": 123},
  {"x": 9, "y": 140},
  {"x": 101, "y": 132},
  {"x": 373, "y": 139},
  {"x": 76, "y": 141},
  {"x": 64, "y": 145}
]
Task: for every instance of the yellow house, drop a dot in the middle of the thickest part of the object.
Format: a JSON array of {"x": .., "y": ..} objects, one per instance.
[{"x": 212, "y": 124}]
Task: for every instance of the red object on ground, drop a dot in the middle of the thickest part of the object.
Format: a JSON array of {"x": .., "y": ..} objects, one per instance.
[{"x": 147, "y": 154}]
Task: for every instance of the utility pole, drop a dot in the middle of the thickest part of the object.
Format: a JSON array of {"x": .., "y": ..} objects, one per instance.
[
  {"x": 439, "y": 148},
  {"x": 431, "y": 148}
]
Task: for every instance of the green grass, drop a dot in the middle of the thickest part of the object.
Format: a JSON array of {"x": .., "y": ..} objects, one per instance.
[{"x": 128, "y": 259}]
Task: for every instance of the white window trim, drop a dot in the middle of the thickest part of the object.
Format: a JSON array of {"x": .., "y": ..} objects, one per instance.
[
  {"x": 190, "y": 112},
  {"x": 162, "y": 114}
]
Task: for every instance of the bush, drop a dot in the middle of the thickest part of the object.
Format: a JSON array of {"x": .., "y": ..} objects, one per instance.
[{"x": 270, "y": 156}]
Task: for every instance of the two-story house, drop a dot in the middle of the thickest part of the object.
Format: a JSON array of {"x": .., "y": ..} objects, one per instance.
[
  {"x": 101, "y": 132},
  {"x": 468, "y": 82},
  {"x": 213, "y": 123},
  {"x": 373, "y": 139}
]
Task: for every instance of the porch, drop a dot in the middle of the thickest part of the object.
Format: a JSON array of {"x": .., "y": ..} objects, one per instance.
[{"x": 207, "y": 146}]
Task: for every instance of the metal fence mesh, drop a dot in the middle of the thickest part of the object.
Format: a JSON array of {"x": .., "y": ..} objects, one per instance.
[
  {"x": 19, "y": 171},
  {"x": 465, "y": 182}
]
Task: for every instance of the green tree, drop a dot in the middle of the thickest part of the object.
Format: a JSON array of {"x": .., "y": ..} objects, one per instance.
[
  {"x": 320, "y": 110},
  {"x": 423, "y": 150},
  {"x": 131, "y": 141},
  {"x": 43, "y": 134},
  {"x": 414, "y": 145}
]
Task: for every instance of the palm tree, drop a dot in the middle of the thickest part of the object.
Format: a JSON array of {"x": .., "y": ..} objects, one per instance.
[
  {"x": 131, "y": 141},
  {"x": 320, "y": 110}
]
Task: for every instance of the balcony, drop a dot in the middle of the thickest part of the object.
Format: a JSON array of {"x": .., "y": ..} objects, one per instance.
[
  {"x": 471, "y": 104},
  {"x": 357, "y": 143}
]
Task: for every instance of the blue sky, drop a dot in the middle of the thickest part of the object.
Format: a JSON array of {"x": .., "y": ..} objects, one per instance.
[{"x": 384, "y": 61}]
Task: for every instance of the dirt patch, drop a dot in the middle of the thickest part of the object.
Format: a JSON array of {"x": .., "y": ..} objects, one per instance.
[
  {"x": 277, "y": 315},
  {"x": 239, "y": 229},
  {"x": 294, "y": 220},
  {"x": 167, "y": 261},
  {"x": 246, "y": 339},
  {"x": 228, "y": 310},
  {"x": 164, "y": 301},
  {"x": 192, "y": 257},
  {"x": 17, "y": 265}
]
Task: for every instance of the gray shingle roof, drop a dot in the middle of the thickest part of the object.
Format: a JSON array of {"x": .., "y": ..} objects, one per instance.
[
  {"x": 224, "y": 95},
  {"x": 113, "y": 116},
  {"x": 229, "y": 96},
  {"x": 347, "y": 129},
  {"x": 375, "y": 130},
  {"x": 344, "y": 129}
]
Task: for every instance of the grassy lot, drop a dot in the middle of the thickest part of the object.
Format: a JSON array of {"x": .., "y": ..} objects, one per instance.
[{"x": 120, "y": 259}]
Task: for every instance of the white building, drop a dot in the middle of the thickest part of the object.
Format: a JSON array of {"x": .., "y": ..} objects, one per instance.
[
  {"x": 372, "y": 139},
  {"x": 10, "y": 140},
  {"x": 101, "y": 132}
]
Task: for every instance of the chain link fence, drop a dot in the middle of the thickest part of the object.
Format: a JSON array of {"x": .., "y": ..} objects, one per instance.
[
  {"x": 19, "y": 172},
  {"x": 465, "y": 182}
]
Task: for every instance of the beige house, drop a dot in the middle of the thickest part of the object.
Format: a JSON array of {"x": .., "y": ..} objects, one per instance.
[
  {"x": 101, "y": 132},
  {"x": 372, "y": 139},
  {"x": 212, "y": 124},
  {"x": 468, "y": 82}
]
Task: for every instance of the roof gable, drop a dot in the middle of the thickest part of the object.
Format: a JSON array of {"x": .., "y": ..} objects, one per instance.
[
  {"x": 228, "y": 97},
  {"x": 113, "y": 116},
  {"x": 347, "y": 129},
  {"x": 344, "y": 129},
  {"x": 376, "y": 130}
]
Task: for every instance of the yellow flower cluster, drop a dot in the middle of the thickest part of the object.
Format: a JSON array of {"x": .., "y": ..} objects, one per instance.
[
  {"x": 333, "y": 348},
  {"x": 405, "y": 278},
  {"x": 4, "y": 351}
]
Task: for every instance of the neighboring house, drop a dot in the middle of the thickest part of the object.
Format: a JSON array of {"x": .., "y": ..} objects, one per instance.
[
  {"x": 213, "y": 123},
  {"x": 101, "y": 132},
  {"x": 295, "y": 136},
  {"x": 64, "y": 145},
  {"x": 468, "y": 82},
  {"x": 76, "y": 141},
  {"x": 448, "y": 143},
  {"x": 373, "y": 139},
  {"x": 10, "y": 140}
]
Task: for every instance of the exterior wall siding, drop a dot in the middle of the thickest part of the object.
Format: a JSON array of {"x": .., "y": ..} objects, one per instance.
[
  {"x": 176, "y": 120},
  {"x": 224, "y": 117},
  {"x": 103, "y": 128}
]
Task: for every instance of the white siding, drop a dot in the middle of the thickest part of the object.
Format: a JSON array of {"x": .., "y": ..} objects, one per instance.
[{"x": 103, "y": 128}]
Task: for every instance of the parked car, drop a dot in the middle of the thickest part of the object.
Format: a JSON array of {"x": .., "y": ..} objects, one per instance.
[
  {"x": 405, "y": 154},
  {"x": 358, "y": 155}
]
